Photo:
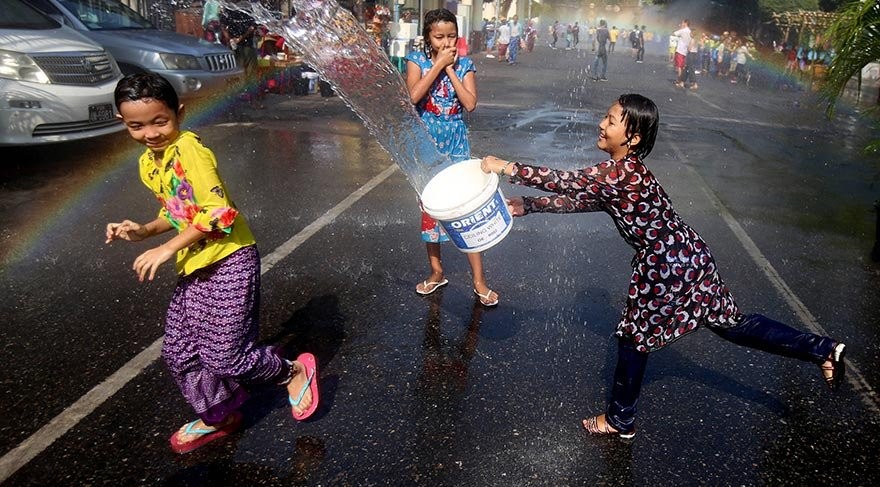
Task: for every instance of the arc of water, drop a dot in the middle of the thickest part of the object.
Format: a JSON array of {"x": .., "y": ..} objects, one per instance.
[{"x": 345, "y": 55}]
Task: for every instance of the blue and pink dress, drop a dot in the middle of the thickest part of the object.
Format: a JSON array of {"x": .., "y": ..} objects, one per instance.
[{"x": 441, "y": 111}]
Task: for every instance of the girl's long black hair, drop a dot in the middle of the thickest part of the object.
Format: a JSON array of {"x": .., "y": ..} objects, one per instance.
[
  {"x": 431, "y": 18},
  {"x": 642, "y": 118}
]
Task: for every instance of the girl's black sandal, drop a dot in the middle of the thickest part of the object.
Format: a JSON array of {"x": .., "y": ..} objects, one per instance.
[{"x": 837, "y": 367}]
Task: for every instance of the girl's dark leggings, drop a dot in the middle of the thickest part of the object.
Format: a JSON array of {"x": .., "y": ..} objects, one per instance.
[
  {"x": 621, "y": 411},
  {"x": 753, "y": 331}
]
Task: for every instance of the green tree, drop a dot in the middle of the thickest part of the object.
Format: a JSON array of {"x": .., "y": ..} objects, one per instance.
[
  {"x": 830, "y": 5},
  {"x": 855, "y": 35},
  {"x": 768, "y": 7}
]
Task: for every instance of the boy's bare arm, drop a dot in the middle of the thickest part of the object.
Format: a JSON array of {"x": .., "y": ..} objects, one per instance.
[
  {"x": 147, "y": 263},
  {"x": 134, "y": 232}
]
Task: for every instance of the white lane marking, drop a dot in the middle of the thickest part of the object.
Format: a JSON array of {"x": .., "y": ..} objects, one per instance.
[
  {"x": 73, "y": 414},
  {"x": 707, "y": 102},
  {"x": 853, "y": 374},
  {"x": 236, "y": 124},
  {"x": 286, "y": 248}
]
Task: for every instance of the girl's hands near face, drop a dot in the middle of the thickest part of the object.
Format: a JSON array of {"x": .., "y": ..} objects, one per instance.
[
  {"x": 150, "y": 260},
  {"x": 515, "y": 206},
  {"x": 446, "y": 57},
  {"x": 492, "y": 164},
  {"x": 126, "y": 230}
]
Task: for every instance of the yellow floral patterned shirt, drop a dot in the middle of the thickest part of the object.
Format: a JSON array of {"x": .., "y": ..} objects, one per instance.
[{"x": 188, "y": 187}]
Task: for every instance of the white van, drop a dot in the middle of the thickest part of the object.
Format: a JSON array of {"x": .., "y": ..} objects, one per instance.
[{"x": 55, "y": 84}]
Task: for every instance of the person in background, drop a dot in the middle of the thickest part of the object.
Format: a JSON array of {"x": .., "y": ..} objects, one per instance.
[
  {"x": 531, "y": 36},
  {"x": 640, "y": 54},
  {"x": 503, "y": 33},
  {"x": 239, "y": 32},
  {"x": 211, "y": 21},
  {"x": 491, "y": 30},
  {"x": 682, "y": 39},
  {"x": 742, "y": 55},
  {"x": 601, "y": 51},
  {"x": 554, "y": 34},
  {"x": 515, "y": 38},
  {"x": 568, "y": 37},
  {"x": 691, "y": 65},
  {"x": 634, "y": 41},
  {"x": 612, "y": 38}
]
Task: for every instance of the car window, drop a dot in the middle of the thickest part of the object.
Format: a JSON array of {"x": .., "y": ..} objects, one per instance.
[
  {"x": 15, "y": 14},
  {"x": 106, "y": 15},
  {"x": 45, "y": 6}
]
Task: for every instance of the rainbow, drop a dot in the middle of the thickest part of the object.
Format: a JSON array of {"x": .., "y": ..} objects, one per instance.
[{"x": 34, "y": 237}]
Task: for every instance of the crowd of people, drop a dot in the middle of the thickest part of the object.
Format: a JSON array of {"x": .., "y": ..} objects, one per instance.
[
  {"x": 730, "y": 57},
  {"x": 701, "y": 54},
  {"x": 695, "y": 55},
  {"x": 505, "y": 38},
  {"x": 800, "y": 59}
]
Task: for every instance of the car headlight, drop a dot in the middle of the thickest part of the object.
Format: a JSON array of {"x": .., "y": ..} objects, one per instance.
[
  {"x": 21, "y": 67},
  {"x": 180, "y": 61}
]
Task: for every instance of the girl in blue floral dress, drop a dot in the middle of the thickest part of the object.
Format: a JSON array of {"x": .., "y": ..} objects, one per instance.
[{"x": 441, "y": 84}]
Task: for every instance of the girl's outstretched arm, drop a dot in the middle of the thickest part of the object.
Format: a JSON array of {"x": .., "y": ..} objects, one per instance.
[
  {"x": 523, "y": 205},
  {"x": 558, "y": 204},
  {"x": 578, "y": 191}
]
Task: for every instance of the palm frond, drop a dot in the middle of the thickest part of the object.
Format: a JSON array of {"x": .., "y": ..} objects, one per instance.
[{"x": 855, "y": 34}]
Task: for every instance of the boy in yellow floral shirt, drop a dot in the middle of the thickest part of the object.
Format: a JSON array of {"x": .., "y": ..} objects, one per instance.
[{"x": 212, "y": 323}]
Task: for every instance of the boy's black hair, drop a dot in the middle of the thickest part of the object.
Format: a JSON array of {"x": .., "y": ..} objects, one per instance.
[
  {"x": 138, "y": 86},
  {"x": 641, "y": 117},
  {"x": 431, "y": 18}
]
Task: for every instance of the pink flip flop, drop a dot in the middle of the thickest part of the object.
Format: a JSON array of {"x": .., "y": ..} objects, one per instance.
[
  {"x": 205, "y": 435},
  {"x": 311, "y": 365}
]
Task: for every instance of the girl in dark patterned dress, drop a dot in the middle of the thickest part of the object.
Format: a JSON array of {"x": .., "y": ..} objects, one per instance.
[
  {"x": 675, "y": 286},
  {"x": 212, "y": 323}
]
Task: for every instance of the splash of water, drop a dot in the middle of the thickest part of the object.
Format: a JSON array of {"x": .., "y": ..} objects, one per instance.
[{"x": 345, "y": 55}]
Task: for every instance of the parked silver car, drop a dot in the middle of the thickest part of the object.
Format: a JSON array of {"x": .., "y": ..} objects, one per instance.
[
  {"x": 196, "y": 68},
  {"x": 55, "y": 84}
]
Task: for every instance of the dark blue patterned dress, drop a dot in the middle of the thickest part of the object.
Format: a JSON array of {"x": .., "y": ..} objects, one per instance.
[{"x": 675, "y": 286}]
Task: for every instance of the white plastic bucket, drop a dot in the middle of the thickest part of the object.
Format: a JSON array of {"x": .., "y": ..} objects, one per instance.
[{"x": 468, "y": 204}]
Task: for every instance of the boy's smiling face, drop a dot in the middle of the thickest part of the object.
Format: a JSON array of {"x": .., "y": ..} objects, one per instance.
[{"x": 151, "y": 122}]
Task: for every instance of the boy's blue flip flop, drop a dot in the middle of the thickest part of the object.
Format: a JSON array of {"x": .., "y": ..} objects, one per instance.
[{"x": 311, "y": 364}]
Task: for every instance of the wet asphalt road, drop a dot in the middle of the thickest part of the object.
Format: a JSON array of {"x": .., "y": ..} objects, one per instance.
[{"x": 437, "y": 390}]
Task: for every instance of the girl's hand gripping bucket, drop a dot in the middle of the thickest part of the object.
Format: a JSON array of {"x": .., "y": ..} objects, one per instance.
[{"x": 469, "y": 205}]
